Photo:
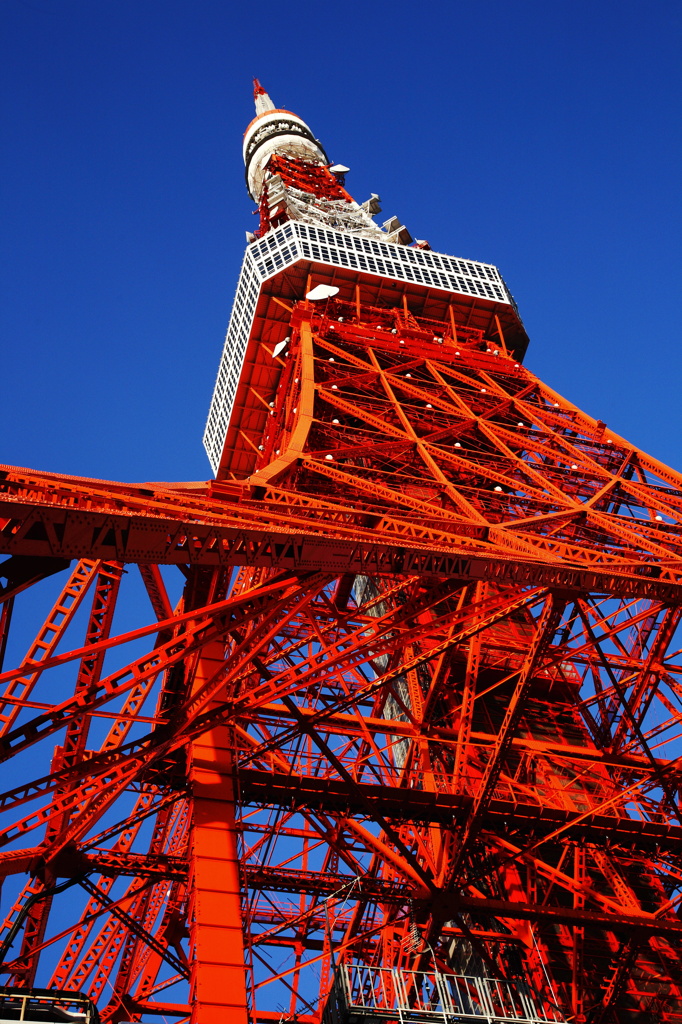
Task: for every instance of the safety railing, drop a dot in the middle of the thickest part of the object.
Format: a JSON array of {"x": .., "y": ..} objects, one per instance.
[
  {"x": 363, "y": 994},
  {"x": 34, "y": 1005}
]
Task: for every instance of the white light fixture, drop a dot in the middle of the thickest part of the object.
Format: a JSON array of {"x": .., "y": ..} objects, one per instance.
[
  {"x": 322, "y": 291},
  {"x": 279, "y": 347}
]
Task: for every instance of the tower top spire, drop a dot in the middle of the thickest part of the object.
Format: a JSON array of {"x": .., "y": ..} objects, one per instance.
[
  {"x": 274, "y": 130},
  {"x": 262, "y": 100}
]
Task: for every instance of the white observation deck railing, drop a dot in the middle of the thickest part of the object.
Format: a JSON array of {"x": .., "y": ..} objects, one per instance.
[{"x": 363, "y": 994}]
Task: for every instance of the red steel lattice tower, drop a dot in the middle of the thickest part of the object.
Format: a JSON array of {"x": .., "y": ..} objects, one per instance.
[{"x": 405, "y": 747}]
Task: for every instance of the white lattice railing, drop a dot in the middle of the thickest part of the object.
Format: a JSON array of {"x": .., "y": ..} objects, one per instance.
[{"x": 363, "y": 992}]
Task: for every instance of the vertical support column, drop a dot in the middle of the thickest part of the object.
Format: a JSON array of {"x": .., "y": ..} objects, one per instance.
[
  {"x": 578, "y": 966},
  {"x": 453, "y": 325},
  {"x": 218, "y": 985},
  {"x": 5, "y": 620}
]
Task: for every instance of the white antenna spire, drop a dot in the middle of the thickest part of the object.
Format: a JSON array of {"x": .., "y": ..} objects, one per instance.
[{"x": 263, "y": 101}]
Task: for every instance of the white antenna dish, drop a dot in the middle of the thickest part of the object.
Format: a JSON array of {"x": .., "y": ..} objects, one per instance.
[
  {"x": 339, "y": 169},
  {"x": 322, "y": 291},
  {"x": 279, "y": 348}
]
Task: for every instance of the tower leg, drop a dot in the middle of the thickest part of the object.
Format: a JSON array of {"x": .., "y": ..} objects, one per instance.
[{"x": 218, "y": 977}]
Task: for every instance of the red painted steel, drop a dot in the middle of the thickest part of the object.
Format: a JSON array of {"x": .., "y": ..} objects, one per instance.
[
  {"x": 405, "y": 692},
  {"x": 217, "y": 947}
]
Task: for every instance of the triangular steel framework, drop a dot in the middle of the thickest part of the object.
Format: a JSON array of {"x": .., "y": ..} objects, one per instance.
[{"x": 417, "y": 708}]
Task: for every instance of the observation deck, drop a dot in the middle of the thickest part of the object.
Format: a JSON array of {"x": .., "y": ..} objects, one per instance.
[{"x": 278, "y": 270}]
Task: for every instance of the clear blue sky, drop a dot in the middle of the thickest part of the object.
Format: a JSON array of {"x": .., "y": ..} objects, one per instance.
[{"x": 543, "y": 137}]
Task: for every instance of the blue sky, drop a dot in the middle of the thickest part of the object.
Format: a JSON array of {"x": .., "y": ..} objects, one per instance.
[{"x": 542, "y": 137}]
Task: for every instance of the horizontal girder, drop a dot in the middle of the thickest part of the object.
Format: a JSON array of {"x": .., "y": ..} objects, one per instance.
[
  {"x": 339, "y": 796},
  {"x": 282, "y": 880},
  {"x": 51, "y": 531}
]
